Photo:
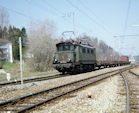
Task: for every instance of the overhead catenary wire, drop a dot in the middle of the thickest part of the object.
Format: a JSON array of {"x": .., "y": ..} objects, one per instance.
[
  {"x": 52, "y": 12},
  {"x": 17, "y": 12},
  {"x": 90, "y": 18},
  {"x": 125, "y": 26},
  {"x": 127, "y": 16},
  {"x": 91, "y": 11},
  {"x": 60, "y": 12},
  {"x": 51, "y": 6},
  {"x": 126, "y": 35},
  {"x": 86, "y": 7}
]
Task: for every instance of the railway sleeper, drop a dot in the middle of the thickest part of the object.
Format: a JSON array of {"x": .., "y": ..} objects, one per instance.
[
  {"x": 135, "y": 106},
  {"x": 122, "y": 93},
  {"x": 135, "y": 93},
  {"x": 135, "y": 102},
  {"x": 11, "y": 109},
  {"x": 135, "y": 90},
  {"x": 23, "y": 105},
  {"x": 135, "y": 110}
]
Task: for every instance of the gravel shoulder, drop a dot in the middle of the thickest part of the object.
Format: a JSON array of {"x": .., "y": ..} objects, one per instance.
[
  {"x": 136, "y": 70},
  {"x": 10, "y": 92},
  {"x": 105, "y": 99}
]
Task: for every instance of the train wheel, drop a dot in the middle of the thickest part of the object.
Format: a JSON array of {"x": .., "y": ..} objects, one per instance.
[{"x": 63, "y": 72}]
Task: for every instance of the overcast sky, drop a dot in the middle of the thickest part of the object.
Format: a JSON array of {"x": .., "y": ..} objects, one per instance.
[{"x": 99, "y": 18}]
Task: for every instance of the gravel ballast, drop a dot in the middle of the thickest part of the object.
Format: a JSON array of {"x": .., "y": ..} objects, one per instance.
[
  {"x": 10, "y": 92},
  {"x": 105, "y": 98},
  {"x": 136, "y": 70}
]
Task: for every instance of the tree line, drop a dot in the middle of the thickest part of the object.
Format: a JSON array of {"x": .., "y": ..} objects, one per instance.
[
  {"x": 103, "y": 51},
  {"x": 12, "y": 34},
  {"x": 40, "y": 40}
]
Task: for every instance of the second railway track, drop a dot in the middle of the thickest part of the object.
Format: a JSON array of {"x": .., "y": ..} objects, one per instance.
[
  {"x": 32, "y": 80},
  {"x": 28, "y": 102},
  {"x": 131, "y": 81},
  {"x": 2, "y": 84}
]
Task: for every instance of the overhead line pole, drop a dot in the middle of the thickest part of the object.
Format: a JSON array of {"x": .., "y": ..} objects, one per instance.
[
  {"x": 58, "y": 11},
  {"x": 83, "y": 12},
  {"x": 125, "y": 35}
]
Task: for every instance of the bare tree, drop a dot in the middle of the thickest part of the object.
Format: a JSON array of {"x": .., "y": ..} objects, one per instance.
[
  {"x": 103, "y": 51},
  {"x": 41, "y": 45}
]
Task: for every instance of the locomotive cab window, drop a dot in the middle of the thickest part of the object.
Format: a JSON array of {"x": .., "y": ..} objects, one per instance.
[
  {"x": 92, "y": 51},
  {"x": 65, "y": 47},
  {"x": 83, "y": 50},
  {"x": 88, "y": 50}
]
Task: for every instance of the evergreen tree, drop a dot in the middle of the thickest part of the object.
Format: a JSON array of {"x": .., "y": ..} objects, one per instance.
[
  {"x": 24, "y": 39},
  {"x": 0, "y": 32},
  {"x": 4, "y": 32},
  {"x": 12, "y": 34}
]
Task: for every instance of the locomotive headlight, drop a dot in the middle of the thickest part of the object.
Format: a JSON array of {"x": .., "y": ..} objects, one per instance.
[
  {"x": 55, "y": 60},
  {"x": 69, "y": 60}
]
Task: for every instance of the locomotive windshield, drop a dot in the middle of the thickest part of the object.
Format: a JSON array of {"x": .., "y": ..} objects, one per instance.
[{"x": 65, "y": 47}]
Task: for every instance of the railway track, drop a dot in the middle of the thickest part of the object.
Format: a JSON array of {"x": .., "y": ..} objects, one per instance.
[
  {"x": 24, "y": 103},
  {"x": 127, "y": 93},
  {"x": 131, "y": 81},
  {"x": 133, "y": 73},
  {"x": 2, "y": 84}
]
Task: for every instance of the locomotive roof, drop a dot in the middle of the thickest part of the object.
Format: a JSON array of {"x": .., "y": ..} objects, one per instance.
[
  {"x": 87, "y": 46},
  {"x": 76, "y": 43}
]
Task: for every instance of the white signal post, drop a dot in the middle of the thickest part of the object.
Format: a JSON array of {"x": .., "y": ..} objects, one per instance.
[{"x": 21, "y": 63}]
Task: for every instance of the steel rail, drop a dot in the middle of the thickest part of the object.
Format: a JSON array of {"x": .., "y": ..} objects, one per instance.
[
  {"x": 134, "y": 73},
  {"x": 127, "y": 92},
  {"x": 121, "y": 70},
  {"x": 38, "y": 79},
  {"x": 64, "y": 93},
  {"x": 23, "y": 97},
  {"x": 12, "y": 100},
  {"x": 32, "y": 80},
  {"x": 30, "y": 107},
  {"x": 72, "y": 90}
]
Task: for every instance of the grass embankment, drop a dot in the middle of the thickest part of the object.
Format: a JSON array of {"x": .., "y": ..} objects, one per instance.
[{"x": 14, "y": 70}]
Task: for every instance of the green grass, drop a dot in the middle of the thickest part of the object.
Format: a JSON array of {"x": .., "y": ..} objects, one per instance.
[
  {"x": 14, "y": 70},
  {"x": 9, "y": 66}
]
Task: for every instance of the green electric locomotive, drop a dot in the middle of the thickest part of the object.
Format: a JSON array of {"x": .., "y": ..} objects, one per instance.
[
  {"x": 77, "y": 56},
  {"x": 74, "y": 57}
]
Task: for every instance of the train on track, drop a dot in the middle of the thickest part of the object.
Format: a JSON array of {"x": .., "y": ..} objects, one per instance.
[{"x": 75, "y": 57}]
